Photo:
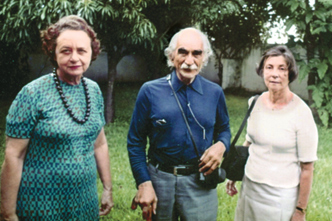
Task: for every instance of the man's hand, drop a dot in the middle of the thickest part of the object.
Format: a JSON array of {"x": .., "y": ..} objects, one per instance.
[
  {"x": 211, "y": 158},
  {"x": 146, "y": 198},
  {"x": 106, "y": 202}
]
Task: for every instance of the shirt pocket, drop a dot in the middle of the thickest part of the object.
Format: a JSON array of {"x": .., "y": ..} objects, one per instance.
[{"x": 166, "y": 135}]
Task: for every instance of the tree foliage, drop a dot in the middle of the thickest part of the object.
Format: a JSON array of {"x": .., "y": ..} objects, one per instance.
[
  {"x": 313, "y": 21},
  {"x": 125, "y": 26},
  {"x": 234, "y": 26},
  {"x": 119, "y": 24}
]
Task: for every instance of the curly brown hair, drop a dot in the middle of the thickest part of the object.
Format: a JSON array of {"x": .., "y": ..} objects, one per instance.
[{"x": 71, "y": 22}]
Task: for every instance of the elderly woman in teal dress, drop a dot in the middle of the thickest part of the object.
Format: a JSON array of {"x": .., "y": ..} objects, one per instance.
[{"x": 55, "y": 138}]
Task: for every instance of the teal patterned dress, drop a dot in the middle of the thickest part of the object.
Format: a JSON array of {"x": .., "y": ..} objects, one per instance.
[{"x": 59, "y": 179}]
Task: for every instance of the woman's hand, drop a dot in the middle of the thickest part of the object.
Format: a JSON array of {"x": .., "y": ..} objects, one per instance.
[
  {"x": 103, "y": 166},
  {"x": 11, "y": 175},
  {"x": 231, "y": 188},
  {"x": 307, "y": 173},
  {"x": 298, "y": 216},
  {"x": 106, "y": 202},
  {"x": 9, "y": 218}
]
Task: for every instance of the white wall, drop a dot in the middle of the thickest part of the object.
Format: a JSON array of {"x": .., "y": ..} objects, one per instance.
[
  {"x": 133, "y": 68},
  {"x": 249, "y": 79}
]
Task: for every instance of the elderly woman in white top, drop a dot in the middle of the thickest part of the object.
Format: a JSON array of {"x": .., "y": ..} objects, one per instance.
[{"x": 282, "y": 138}]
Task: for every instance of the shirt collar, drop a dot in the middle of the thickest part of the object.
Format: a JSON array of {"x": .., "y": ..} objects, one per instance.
[{"x": 196, "y": 85}]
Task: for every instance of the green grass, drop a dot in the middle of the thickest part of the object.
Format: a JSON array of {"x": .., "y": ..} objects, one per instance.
[{"x": 124, "y": 189}]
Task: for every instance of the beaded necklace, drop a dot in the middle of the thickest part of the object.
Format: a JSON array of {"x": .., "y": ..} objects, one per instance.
[{"x": 65, "y": 101}]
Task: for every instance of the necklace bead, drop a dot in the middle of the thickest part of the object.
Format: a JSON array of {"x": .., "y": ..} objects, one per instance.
[{"x": 65, "y": 101}]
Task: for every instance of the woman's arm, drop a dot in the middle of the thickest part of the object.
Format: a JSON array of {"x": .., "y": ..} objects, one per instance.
[
  {"x": 103, "y": 166},
  {"x": 11, "y": 175},
  {"x": 246, "y": 143},
  {"x": 230, "y": 185},
  {"x": 307, "y": 173}
]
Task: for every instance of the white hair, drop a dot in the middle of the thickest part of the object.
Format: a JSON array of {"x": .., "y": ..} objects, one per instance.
[{"x": 207, "y": 51}]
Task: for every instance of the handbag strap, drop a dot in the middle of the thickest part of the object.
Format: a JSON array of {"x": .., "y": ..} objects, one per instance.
[
  {"x": 183, "y": 115},
  {"x": 244, "y": 121}
]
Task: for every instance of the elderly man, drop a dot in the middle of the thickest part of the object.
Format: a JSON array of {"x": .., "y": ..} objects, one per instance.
[{"x": 166, "y": 179}]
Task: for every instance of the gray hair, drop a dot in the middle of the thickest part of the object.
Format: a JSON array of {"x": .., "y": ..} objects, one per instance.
[
  {"x": 280, "y": 50},
  {"x": 207, "y": 51}
]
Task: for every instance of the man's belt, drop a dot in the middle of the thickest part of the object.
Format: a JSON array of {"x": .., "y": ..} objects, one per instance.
[{"x": 182, "y": 170}]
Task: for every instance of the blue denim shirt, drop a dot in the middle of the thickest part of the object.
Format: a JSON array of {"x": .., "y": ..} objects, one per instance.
[{"x": 157, "y": 117}]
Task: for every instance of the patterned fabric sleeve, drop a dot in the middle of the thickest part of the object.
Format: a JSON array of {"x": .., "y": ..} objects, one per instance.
[
  {"x": 100, "y": 100},
  {"x": 22, "y": 115}
]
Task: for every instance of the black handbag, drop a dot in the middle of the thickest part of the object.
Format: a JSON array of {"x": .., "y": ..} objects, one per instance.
[
  {"x": 236, "y": 159},
  {"x": 218, "y": 175}
]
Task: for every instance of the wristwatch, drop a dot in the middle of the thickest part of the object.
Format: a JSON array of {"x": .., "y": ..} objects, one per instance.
[{"x": 301, "y": 209}]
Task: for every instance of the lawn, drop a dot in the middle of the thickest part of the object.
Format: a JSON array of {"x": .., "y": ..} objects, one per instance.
[{"x": 123, "y": 183}]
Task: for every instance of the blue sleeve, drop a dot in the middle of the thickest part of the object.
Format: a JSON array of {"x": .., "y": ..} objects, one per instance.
[
  {"x": 137, "y": 137},
  {"x": 222, "y": 129}
]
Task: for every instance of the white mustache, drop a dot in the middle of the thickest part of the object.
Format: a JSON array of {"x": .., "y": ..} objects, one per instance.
[{"x": 191, "y": 67}]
